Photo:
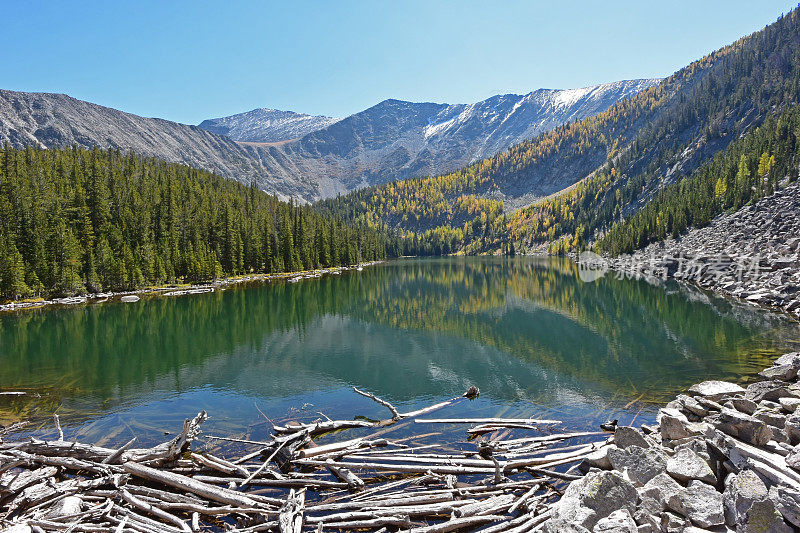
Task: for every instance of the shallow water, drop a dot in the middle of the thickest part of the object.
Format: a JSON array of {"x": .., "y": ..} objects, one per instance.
[{"x": 527, "y": 331}]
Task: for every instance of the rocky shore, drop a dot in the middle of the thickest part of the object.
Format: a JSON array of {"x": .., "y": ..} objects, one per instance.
[
  {"x": 753, "y": 254},
  {"x": 174, "y": 290},
  {"x": 721, "y": 457}
]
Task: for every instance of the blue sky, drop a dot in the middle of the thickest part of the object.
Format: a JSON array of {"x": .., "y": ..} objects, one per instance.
[{"x": 187, "y": 61}]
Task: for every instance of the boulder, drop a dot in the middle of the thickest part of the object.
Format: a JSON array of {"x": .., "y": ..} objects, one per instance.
[
  {"x": 793, "y": 459},
  {"x": 686, "y": 465},
  {"x": 792, "y": 427},
  {"x": 781, "y": 372},
  {"x": 595, "y": 496},
  {"x": 787, "y": 501},
  {"x": 619, "y": 521},
  {"x": 673, "y": 523},
  {"x": 792, "y": 358},
  {"x": 661, "y": 488},
  {"x": 771, "y": 417},
  {"x": 742, "y": 426},
  {"x": 70, "y": 505},
  {"x": 763, "y": 517},
  {"x": 597, "y": 459},
  {"x": 789, "y": 404},
  {"x": 700, "y": 503},
  {"x": 130, "y": 298},
  {"x": 741, "y": 490},
  {"x": 625, "y": 436},
  {"x": 715, "y": 390},
  {"x": 561, "y": 525},
  {"x": 639, "y": 464},
  {"x": 744, "y": 405},
  {"x": 767, "y": 390},
  {"x": 691, "y": 405}
]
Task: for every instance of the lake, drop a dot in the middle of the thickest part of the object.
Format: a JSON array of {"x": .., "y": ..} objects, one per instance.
[{"x": 527, "y": 331}]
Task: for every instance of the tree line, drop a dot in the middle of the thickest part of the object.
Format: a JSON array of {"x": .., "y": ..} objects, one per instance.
[{"x": 74, "y": 220}]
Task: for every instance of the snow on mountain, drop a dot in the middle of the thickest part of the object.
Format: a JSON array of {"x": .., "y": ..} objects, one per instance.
[{"x": 266, "y": 125}]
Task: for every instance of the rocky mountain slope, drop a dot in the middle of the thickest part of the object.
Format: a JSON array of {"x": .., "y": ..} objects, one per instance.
[
  {"x": 396, "y": 139},
  {"x": 752, "y": 253},
  {"x": 56, "y": 120},
  {"x": 266, "y": 125},
  {"x": 388, "y": 141}
]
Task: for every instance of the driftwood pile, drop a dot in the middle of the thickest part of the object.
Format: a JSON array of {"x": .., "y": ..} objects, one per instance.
[{"x": 289, "y": 483}]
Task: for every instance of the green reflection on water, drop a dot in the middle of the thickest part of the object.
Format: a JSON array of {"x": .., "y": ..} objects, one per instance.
[{"x": 522, "y": 329}]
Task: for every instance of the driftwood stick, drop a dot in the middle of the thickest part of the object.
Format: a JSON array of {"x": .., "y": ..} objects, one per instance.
[
  {"x": 155, "y": 511},
  {"x": 395, "y": 412},
  {"x": 188, "y": 484},
  {"x": 57, "y": 422},
  {"x": 353, "y": 481},
  {"x": 290, "y": 519},
  {"x": 111, "y": 459}
]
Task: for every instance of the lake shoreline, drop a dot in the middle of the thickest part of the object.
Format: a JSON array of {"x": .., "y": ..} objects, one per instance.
[{"x": 178, "y": 289}]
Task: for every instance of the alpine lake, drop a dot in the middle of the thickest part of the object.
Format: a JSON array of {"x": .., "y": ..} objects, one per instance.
[{"x": 537, "y": 340}]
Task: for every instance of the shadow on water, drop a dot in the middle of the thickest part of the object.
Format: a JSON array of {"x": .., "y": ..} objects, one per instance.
[{"x": 527, "y": 331}]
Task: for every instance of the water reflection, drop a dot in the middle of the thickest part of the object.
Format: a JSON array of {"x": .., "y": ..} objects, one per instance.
[{"x": 527, "y": 331}]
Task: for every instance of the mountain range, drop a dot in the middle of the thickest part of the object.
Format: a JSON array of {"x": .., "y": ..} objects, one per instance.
[{"x": 391, "y": 140}]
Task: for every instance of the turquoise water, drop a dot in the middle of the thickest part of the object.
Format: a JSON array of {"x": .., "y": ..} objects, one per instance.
[{"x": 527, "y": 331}]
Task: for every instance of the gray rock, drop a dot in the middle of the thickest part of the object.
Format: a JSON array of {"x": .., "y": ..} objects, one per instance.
[
  {"x": 771, "y": 417},
  {"x": 763, "y": 517},
  {"x": 596, "y": 459},
  {"x": 742, "y": 426},
  {"x": 639, "y": 464},
  {"x": 625, "y": 436},
  {"x": 741, "y": 490},
  {"x": 692, "y": 405},
  {"x": 617, "y": 522},
  {"x": 561, "y": 525},
  {"x": 661, "y": 488},
  {"x": 792, "y": 358},
  {"x": 781, "y": 372},
  {"x": 686, "y": 465},
  {"x": 65, "y": 507},
  {"x": 744, "y": 405},
  {"x": 130, "y": 298},
  {"x": 787, "y": 501},
  {"x": 789, "y": 404},
  {"x": 672, "y": 523},
  {"x": 767, "y": 390},
  {"x": 715, "y": 390},
  {"x": 672, "y": 424},
  {"x": 793, "y": 459},
  {"x": 708, "y": 404},
  {"x": 792, "y": 427},
  {"x": 700, "y": 503},
  {"x": 595, "y": 496}
]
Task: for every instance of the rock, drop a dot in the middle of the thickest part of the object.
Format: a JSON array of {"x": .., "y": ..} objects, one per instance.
[
  {"x": 793, "y": 459},
  {"x": 771, "y": 417},
  {"x": 789, "y": 404},
  {"x": 792, "y": 358},
  {"x": 593, "y": 497},
  {"x": 672, "y": 523},
  {"x": 744, "y": 405},
  {"x": 787, "y": 501},
  {"x": 625, "y": 436},
  {"x": 715, "y": 390},
  {"x": 692, "y": 405},
  {"x": 763, "y": 517},
  {"x": 767, "y": 390},
  {"x": 742, "y": 426},
  {"x": 675, "y": 426},
  {"x": 661, "y": 488},
  {"x": 130, "y": 298},
  {"x": 639, "y": 464},
  {"x": 781, "y": 372},
  {"x": 792, "y": 427},
  {"x": 686, "y": 465},
  {"x": 700, "y": 503},
  {"x": 559, "y": 525},
  {"x": 741, "y": 490},
  {"x": 617, "y": 522},
  {"x": 596, "y": 459},
  {"x": 708, "y": 404}
]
